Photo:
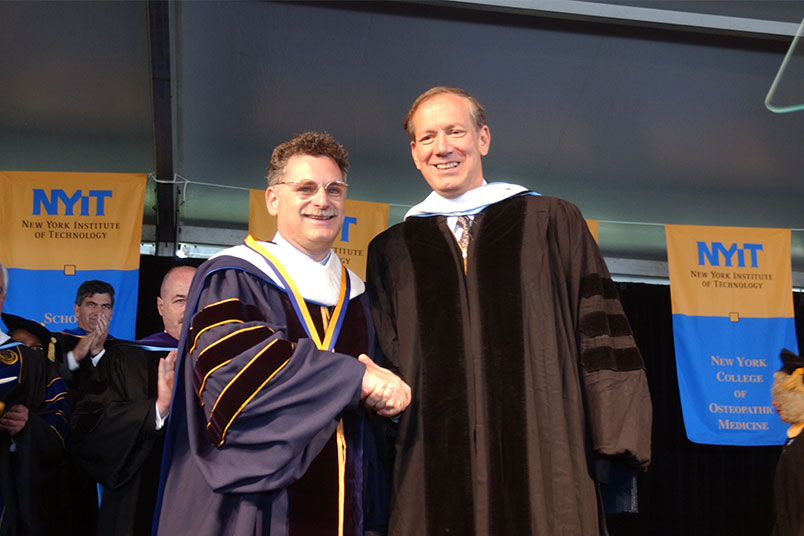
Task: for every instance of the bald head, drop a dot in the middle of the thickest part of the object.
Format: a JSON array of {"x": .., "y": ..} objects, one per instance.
[{"x": 173, "y": 297}]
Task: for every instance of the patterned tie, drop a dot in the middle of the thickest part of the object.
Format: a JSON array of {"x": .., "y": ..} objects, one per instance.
[{"x": 465, "y": 223}]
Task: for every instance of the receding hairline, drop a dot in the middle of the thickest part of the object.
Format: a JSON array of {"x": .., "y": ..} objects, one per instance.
[
  {"x": 476, "y": 110},
  {"x": 170, "y": 274}
]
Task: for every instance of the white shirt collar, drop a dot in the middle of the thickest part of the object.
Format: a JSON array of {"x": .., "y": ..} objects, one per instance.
[
  {"x": 317, "y": 282},
  {"x": 469, "y": 203}
]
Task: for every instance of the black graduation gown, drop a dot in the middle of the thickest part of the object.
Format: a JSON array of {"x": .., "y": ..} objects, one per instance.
[
  {"x": 29, "y": 474},
  {"x": 523, "y": 369},
  {"x": 788, "y": 490},
  {"x": 80, "y": 501},
  {"x": 115, "y": 438}
]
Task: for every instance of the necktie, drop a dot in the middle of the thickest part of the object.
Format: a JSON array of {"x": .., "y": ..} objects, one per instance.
[{"x": 465, "y": 223}]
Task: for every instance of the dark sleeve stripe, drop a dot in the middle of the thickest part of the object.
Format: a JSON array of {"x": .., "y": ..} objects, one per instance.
[
  {"x": 245, "y": 386},
  {"x": 222, "y": 312},
  {"x": 608, "y": 358},
  {"x": 221, "y": 351},
  {"x": 599, "y": 323},
  {"x": 594, "y": 285},
  {"x": 196, "y": 335}
]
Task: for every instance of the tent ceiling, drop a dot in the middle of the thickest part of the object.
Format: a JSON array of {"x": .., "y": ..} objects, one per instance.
[{"x": 638, "y": 123}]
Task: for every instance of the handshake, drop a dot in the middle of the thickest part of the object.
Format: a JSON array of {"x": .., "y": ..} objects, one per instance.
[{"x": 383, "y": 391}]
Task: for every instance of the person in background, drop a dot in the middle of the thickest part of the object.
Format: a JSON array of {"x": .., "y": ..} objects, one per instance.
[
  {"x": 495, "y": 305},
  {"x": 170, "y": 304},
  {"x": 118, "y": 426},
  {"x": 83, "y": 348},
  {"x": 34, "y": 419},
  {"x": 93, "y": 308},
  {"x": 32, "y": 334},
  {"x": 788, "y": 482}
]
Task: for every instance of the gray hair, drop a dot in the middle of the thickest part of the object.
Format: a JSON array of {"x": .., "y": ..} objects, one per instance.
[
  {"x": 788, "y": 392},
  {"x": 306, "y": 144}
]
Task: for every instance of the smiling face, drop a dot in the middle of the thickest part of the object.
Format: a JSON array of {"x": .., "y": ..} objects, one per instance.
[
  {"x": 447, "y": 146},
  {"x": 311, "y": 225}
]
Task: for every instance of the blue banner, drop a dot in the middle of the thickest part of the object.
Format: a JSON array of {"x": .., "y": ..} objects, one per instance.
[{"x": 732, "y": 298}]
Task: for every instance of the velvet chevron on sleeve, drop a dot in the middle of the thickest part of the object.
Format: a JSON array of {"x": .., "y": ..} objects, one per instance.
[
  {"x": 252, "y": 445},
  {"x": 523, "y": 371},
  {"x": 29, "y": 486}
]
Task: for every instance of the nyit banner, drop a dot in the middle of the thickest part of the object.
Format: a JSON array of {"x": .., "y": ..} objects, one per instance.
[
  {"x": 61, "y": 229},
  {"x": 732, "y": 299},
  {"x": 363, "y": 221}
]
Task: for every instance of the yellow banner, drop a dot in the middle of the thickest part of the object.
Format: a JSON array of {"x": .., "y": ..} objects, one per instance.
[
  {"x": 363, "y": 221},
  {"x": 593, "y": 225},
  {"x": 71, "y": 221},
  {"x": 730, "y": 271}
]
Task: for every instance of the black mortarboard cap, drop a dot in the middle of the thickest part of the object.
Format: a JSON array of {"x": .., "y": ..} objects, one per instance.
[
  {"x": 790, "y": 361},
  {"x": 14, "y": 322}
]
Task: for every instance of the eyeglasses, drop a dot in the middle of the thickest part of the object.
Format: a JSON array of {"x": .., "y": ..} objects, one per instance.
[{"x": 307, "y": 189}]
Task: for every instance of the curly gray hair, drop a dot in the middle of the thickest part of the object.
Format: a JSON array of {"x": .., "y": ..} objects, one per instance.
[{"x": 788, "y": 393}]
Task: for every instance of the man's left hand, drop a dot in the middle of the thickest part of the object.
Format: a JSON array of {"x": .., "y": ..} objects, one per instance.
[
  {"x": 383, "y": 391},
  {"x": 14, "y": 419}
]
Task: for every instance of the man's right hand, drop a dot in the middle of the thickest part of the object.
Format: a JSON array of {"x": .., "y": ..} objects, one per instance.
[
  {"x": 84, "y": 346},
  {"x": 383, "y": 391},
  {"x": 101, "y": 331},
  {"x": 165, "y": 374}
]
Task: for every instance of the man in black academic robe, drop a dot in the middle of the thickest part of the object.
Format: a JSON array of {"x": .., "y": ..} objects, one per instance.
[
  {"x": 495, "y": 305},
  {"x": 84, "y": 345},
  {"x": 34, "y": 420},
  {"x": 117, "y": 438},
  {"x": 118, "y": 426}
]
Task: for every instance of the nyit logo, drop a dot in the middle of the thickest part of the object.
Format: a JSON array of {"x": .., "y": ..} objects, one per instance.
[
  {"x": 348, "y": 221},
  {"x": 59, "y": 199},
  {"x": 711, "y": 253}
]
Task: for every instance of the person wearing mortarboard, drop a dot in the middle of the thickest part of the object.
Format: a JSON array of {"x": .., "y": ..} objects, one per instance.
[
  {"x": 788, "y": 484},
  {"x": 33, "y": 432},
  {"x": 32, "y": 334}
]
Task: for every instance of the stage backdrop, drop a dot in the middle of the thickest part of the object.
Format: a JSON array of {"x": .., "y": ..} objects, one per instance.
[
  {"x": 363, "y": 221},
  {"x": 61, "y": 229},
  {"x": 732, "y": 301}
]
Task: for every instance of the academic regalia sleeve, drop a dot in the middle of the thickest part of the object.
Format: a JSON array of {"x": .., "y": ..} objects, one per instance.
[
  {"x": 267, "y": 405},
  {"x": 114, "y": 427},
  {"x": 48, "y": 417},
  {"x": 40, "y": 445},
  {"x": 612, "y": 369}
]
